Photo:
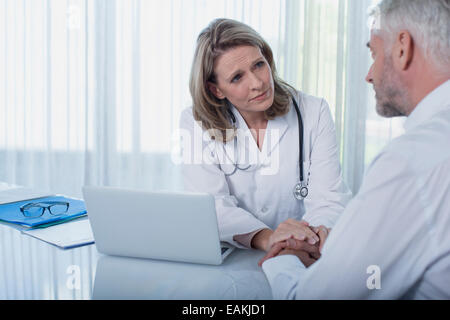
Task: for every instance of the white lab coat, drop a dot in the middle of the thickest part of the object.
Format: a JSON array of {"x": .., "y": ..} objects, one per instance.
[{"x": 262, "y": 196}]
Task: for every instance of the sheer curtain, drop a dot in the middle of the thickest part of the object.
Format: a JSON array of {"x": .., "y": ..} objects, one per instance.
[{"x": 91, "y": 90}]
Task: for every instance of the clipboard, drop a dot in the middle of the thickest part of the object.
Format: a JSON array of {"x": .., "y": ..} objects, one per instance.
[{"x": 69, "y": 235}]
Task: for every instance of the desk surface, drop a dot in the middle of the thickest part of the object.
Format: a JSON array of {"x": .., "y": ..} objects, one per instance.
[{"x": 32, "y": 269}]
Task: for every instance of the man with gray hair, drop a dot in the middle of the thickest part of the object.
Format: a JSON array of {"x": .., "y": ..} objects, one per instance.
[{"x": 393, "y": 239}]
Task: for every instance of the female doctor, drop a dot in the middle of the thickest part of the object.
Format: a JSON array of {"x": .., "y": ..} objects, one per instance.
[{"x": 243, "y": 141}]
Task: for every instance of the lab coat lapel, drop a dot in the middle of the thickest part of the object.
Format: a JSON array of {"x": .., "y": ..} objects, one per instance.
[
  {"x": 244, "y": 136},
  {"x": 276, "y": 129},
  {"x": 240, "y": 124}
]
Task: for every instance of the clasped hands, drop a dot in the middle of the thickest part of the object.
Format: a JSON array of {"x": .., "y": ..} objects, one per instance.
[{"x": 297, "y": 238}]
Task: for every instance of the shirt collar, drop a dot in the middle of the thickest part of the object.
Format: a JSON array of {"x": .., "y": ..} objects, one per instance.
[
  {"x": 276, "y": 127},
  {"x": 279, "y": 123},
  {"x": 436, "y": 101}
]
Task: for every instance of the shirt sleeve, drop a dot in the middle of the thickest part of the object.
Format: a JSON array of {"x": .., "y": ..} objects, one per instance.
[
  {"x": 202, "y": 174},
  {"x": 328, "y": 193},
  {"x": 377, "y": 249}
]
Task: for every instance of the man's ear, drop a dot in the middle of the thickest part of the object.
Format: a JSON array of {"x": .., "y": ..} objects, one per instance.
[
  {"x": 403, "y": 50},
  {"x": 215, "y": 91}
]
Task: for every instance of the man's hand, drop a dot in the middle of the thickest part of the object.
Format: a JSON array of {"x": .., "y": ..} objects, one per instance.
[
  {"x": 304, "y": 257},
  {"x": 291, "y": 228},
  {"x": 306, "y": 252}
]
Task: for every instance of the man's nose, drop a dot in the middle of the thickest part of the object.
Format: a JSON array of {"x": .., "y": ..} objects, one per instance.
[{"x": 369, "y": 78}]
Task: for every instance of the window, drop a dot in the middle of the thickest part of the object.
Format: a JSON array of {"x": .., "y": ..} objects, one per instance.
[{"x": 94, "y": 88}]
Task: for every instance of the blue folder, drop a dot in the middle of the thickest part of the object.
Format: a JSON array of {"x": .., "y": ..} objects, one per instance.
[{"x": 11, "y": 213}]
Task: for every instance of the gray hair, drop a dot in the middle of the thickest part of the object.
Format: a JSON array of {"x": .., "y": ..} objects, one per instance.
[{"x": 428, "y": 21}]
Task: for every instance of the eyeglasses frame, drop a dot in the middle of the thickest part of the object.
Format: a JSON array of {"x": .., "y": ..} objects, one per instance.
[{"x": 24, "y": 207}]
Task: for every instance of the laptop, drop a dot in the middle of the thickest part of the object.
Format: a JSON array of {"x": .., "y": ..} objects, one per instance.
[{"x": 157, "y": 225}]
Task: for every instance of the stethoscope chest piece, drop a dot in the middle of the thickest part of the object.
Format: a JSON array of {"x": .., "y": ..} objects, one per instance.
[{"x": 300, "y": 191}]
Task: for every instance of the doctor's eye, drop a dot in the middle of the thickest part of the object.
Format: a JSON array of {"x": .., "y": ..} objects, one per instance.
[
  {"x": 236, "y": 78},
  {"x": 260, "y": 64}
]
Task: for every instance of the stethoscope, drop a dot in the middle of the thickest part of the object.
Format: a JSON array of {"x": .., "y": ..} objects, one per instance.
[{"x": 300, "y": 189}]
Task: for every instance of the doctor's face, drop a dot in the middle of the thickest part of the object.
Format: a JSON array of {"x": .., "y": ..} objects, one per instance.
[{"x": 244, "y": 77}]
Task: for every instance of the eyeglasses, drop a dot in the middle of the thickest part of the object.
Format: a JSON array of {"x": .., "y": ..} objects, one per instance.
[{"x": 37, "y": 209}]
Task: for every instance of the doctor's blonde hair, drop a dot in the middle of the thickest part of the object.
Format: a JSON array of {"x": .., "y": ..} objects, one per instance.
[{"x": 220, "y": 36}]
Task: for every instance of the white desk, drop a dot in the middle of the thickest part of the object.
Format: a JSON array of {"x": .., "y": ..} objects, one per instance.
[
  {"x": 239, "y": 277},
  {"x": 32, "y": 269}
]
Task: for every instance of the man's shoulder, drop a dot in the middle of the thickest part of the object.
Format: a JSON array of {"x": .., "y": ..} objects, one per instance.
[{"x": 419, "y": 150}]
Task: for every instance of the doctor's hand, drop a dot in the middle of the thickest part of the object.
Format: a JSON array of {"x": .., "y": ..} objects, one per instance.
[
  {"x": 322, "y": 232},
  {"x": 294, "y": 229},
  {"x": 306, "y": 252}
]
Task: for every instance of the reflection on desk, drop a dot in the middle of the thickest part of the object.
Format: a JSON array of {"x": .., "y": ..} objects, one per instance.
[
  {"x": 32, "y": 269},
  {"x": 239, "y": 277}
]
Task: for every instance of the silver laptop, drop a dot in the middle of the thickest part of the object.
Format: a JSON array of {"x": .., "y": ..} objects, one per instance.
[{"x": 157, "y": 225}]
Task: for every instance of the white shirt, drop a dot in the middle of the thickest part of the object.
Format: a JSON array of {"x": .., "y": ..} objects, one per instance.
[
  {"x": 262, "y": 196},
  {"x": 395, "y": 234}
]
